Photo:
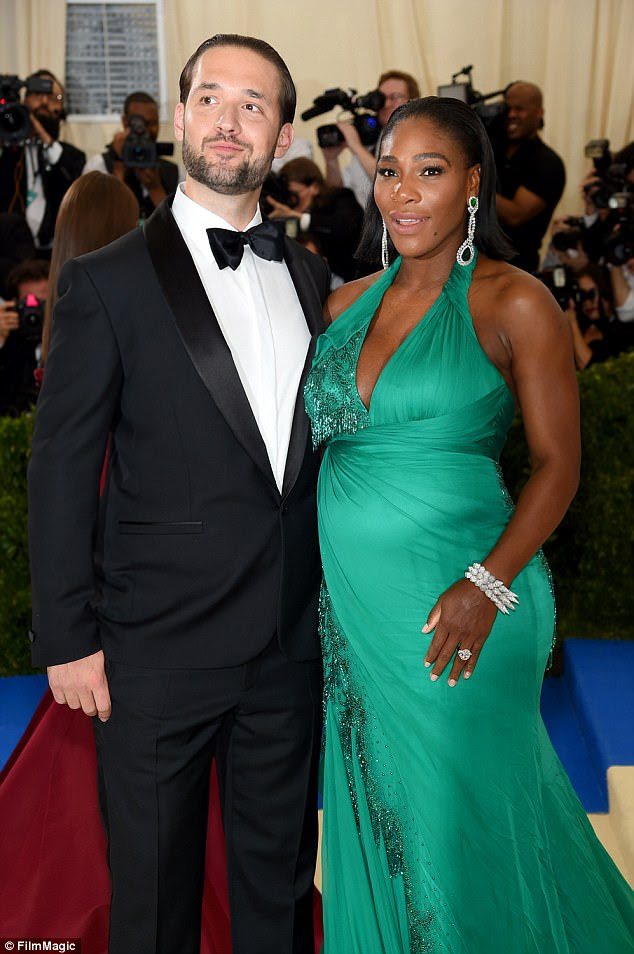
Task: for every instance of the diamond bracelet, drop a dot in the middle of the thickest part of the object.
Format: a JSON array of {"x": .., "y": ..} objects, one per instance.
[{"x": 496, "y": 591}]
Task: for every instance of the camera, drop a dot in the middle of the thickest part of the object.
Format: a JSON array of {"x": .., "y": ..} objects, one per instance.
[
  {"x": 139, "y": 149},
  {"x": 30, "y": 311},
  {"x": 276, "y": 187},
  {"x": 570, "y": 237},
  {"x": 562, "y": 286},
  {"x": 491, "y": 114},
  {"x": 362, "y": 108},
  {"x": 15, "y": 122}
]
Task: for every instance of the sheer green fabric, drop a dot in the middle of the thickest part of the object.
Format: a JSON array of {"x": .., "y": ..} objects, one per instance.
[{"x": 449, "y": 823}]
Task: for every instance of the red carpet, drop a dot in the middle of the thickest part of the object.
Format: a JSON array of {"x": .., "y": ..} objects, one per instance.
[{"x": 53, "y": 852}]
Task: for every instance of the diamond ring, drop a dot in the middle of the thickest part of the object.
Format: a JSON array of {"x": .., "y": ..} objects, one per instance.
[{"x": 464, "y": 654}]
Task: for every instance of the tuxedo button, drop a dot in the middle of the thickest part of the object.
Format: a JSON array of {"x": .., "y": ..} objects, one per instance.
[
  {"x": 284, "y": 508},
  {"x": 31, "y": 636}
]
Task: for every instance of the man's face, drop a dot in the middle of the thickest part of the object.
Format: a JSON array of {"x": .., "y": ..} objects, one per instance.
[
  {"x": 230, "y": 124},
  {"x": 37, "y": 287},
  {"x": 148, "y": 112},
  {"x": 47, "y": 107},
  {"x": 524, "y": 112},
  {"x": 396, "y": 93}
]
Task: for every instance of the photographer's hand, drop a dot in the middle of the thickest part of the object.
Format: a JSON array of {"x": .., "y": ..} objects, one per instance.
[
  {"x": 356, "y": 147},
  {"x": 150, "y": 179},
  {"x": 281, "y": 211},
  {"x": 40, "y": 132},
  {"x": 8, "y": 320}
]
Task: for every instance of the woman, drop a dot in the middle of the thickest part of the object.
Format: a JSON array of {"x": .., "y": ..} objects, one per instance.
[
  {"x": 333, "y": 215},
  {"x": 449, "y": 824},
  {"x": 96, "y": 210},
  {"x": 597, "y": 333}
]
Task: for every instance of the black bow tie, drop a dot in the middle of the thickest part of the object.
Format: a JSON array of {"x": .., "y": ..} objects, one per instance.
[{"x": 266, "y": 240}]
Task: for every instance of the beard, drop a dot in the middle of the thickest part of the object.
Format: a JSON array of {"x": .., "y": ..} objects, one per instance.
[{"x": 223, "y": 178}]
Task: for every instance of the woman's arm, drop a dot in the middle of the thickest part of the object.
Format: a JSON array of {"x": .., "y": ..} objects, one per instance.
[{"x": 538, "y": 341}]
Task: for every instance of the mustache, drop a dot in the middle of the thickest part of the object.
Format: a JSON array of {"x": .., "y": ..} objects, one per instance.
[{"x": 233, "y": 140}]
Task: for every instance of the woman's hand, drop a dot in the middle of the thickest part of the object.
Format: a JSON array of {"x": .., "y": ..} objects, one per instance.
[
  {"x": 462, "y": 617},
  {"x": 281, "y": 211}
]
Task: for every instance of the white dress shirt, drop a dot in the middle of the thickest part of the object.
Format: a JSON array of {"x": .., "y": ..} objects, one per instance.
[{"x": 262, "y": 321}]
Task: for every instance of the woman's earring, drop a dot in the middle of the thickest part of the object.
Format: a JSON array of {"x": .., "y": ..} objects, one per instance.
[
  {"x": 467, "y": 245},
  {"x": 385, "y": 258}
]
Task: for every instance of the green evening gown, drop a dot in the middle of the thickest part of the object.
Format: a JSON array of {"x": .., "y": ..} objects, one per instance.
[{"x": 449, "y": 823}]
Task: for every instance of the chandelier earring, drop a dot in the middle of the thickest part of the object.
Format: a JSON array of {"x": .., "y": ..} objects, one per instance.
[
  {"x": 465, "y": 253},
  {"x": 385, "y": 256}
]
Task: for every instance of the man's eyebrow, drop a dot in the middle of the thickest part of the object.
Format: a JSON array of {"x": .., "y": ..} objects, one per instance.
[
  {"x": 418, "y": 157},
  {"x": 250, "y": 93}
]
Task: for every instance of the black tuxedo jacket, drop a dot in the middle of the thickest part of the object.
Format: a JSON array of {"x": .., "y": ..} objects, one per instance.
[{"x": 191, "y": 557}]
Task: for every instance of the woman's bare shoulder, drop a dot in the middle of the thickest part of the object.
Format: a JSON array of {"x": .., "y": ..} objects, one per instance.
[
  {"x": 346, "y": 295},
  {"x": 508, "y": 294}
]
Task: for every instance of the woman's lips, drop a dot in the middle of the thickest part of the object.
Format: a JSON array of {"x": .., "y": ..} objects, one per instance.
[{"x": 402, "y": 222}]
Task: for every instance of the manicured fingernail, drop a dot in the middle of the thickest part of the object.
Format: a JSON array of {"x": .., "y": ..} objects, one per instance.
[
  {"x": 433, "y": 677},
  {"x": 427, "y": 664},
  {"x": 466, "y": 675},
  {"x": 452, "y": 683},
  {"x": 425, "y": 628}
]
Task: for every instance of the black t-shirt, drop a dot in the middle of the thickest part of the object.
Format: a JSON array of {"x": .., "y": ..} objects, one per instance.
[{"x": 536, "y": 167}]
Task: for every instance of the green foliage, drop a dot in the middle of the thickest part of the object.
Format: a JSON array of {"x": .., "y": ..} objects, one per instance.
[
  {"x": 590, "y": 553},
  {"x": 15, "y": 591}
]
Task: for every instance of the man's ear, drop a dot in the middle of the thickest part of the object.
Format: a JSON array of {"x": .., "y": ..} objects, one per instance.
[
  {"x": 284, "y": 140},
  {"x": 179, "y": 122}
]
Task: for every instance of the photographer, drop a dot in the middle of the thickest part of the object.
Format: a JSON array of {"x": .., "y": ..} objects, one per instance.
[
  {"x": 596, "y": 331},
  {"x": 34, "y": 175},
  {"x": 20, "y": 335},
  {"x": 531, "y": 176},
  {"x": 333, "y": 215},
  {"x": 397, "y": 88},
  {"x": 150, "y": 184}
]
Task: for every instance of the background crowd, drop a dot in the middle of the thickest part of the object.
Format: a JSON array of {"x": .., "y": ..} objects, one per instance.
[{"x": 319, "y": 191}]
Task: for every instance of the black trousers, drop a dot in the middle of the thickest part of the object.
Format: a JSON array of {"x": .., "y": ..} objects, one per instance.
[{"x": 262, "y": 722}]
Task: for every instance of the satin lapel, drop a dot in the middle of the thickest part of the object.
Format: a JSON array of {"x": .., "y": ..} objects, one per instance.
[
  {"x": 200, "y": 331},
  {"x": 309, "y": 297}
]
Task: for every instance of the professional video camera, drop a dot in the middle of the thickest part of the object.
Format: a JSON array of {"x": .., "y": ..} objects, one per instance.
[
  {"x": 15, "y": 122},
  {"x": 366, "y": 124},
  {"x": 491, "y": 114},
  {"x": 30, "y": 311},
  {"x": 140, "y": 151}
]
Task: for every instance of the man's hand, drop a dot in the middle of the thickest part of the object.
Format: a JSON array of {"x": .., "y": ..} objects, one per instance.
[
  {"x": 8, "y": 320},
  {"x": 39, "y": 130},
  {"x": 82, "y": 684}
]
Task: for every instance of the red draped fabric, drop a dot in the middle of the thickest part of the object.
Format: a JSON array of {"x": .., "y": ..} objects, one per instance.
[{"x": 54, "y": 877}]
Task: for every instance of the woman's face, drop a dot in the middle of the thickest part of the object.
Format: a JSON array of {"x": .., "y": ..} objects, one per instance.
[
  {"x": 422, "y": 187},
  {"x": 304, "y": 194}
]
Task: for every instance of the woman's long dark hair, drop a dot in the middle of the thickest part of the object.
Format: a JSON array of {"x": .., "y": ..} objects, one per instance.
[{"x": 464, "y": 126}]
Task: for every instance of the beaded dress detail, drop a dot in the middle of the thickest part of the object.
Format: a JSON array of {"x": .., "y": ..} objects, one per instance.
[{"x": 449, "y": 824}]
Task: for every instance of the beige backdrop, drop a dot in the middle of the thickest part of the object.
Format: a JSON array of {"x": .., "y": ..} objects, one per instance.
[{"x": 578, "y": 51}]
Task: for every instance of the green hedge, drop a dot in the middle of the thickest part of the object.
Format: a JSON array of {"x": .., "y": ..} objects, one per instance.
[{"x": 590, "y": 553}]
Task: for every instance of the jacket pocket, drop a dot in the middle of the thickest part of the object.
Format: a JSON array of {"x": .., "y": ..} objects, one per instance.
[{"x": 151, "y": 526}]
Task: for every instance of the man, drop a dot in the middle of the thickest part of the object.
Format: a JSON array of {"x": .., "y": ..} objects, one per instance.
[
  {"x": 150, "y": 185},
  {"x": 35, "y": 177},
  {"x": 20, "y": 345},
  {"x": 194, "y": 579},
  {"x": 358, "y": 175},
  {"x": 531, "y": 176}
]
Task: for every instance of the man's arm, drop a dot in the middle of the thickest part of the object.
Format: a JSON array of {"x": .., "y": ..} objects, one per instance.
[
  {"x": 79, "y": 398},
  {"x": 524, "y": 205}
]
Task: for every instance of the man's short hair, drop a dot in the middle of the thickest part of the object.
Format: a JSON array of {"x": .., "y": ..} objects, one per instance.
[
  {"x": 30, "y": 270},
  {"x": 138, "y": 97},
  {"x": 288, "y": 95},
  {"x": 412, "y": 86}
]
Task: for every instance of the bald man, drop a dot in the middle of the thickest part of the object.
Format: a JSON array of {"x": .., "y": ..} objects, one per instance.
[{"x": 531, "y": 176}]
